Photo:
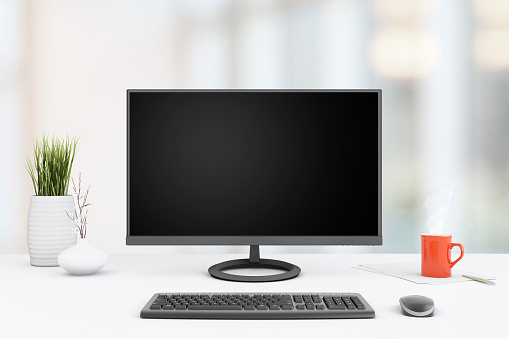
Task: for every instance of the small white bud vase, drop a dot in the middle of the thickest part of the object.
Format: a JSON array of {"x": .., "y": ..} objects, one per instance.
[
  {"x": 49, "y": 230},
  {"x": 83, "y": 258}
]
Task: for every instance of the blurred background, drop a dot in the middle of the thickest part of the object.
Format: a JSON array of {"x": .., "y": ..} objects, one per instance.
[{"x": 443, "y": 67}]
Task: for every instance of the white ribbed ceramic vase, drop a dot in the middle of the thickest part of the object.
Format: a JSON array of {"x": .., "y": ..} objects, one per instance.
[{"x": 49, "y": 228}]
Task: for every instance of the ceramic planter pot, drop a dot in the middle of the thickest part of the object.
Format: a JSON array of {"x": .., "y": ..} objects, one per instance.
[
  {"x": 83, "y": 258},
  {"x": 49, "y": 228}
]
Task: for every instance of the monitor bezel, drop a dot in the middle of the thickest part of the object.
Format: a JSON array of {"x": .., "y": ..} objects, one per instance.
[{"x": 259, "y": 240}]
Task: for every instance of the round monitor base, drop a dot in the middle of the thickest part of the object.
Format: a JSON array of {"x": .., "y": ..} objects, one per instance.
[{"x": 291, "y": 270}]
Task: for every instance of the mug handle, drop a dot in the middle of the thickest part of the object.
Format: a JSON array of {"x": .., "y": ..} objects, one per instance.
[{"x": 461, "y": 255}]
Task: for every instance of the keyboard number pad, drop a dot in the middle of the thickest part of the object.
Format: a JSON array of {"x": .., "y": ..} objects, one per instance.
[{"x": 343, "y": 303}]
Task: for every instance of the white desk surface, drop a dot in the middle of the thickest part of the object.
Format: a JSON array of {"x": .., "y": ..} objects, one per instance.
[{"x": 42, "y": 302}]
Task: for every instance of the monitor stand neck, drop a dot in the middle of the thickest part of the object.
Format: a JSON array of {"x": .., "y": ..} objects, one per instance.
[{"x": 254, "y": 261}]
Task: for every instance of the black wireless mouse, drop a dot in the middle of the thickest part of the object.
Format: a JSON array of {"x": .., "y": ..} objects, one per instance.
[{"x": 417, "y": 306}]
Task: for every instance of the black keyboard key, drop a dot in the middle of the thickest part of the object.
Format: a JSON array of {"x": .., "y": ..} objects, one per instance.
[
  {"x": 274, "y": 307},
  {"x": 262, "y": 308},
  {"x": 316, "y": 299},
  {"x": 349, "y": 304},
  {"x": 155, "y": 307},
  {"x": 320, "y": 307},
  {"x": 358, "y": 303},
  {"x": 249, "y": 307},
  {"x": 180, "y": 307},
  {"x": 168, "y": 307},
  {"x": 300, "y": 307}
]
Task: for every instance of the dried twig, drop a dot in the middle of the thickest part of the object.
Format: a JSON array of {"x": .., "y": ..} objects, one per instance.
[{"x": 80, "y": 218}]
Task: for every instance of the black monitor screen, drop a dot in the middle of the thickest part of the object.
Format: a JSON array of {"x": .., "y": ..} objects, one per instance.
[{"x": 253, "y": 163}]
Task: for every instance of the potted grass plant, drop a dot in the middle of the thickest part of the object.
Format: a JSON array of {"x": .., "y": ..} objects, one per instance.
[{"x": 49, "y": 229}]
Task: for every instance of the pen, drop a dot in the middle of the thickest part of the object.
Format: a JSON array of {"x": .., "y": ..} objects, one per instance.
[{"x": 479, "y": 279}]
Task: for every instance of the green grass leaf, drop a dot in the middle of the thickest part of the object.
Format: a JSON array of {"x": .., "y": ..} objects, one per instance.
[{"x": 50, "y": 169}]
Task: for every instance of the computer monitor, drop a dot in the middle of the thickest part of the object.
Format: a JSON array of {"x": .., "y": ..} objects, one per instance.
[{"x": 254, "y": 167}]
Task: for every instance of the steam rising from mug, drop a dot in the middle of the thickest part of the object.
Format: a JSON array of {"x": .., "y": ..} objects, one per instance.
[{"x": 442, "y": 209}]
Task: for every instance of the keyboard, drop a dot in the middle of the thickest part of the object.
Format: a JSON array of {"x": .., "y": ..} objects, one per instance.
[{"x": 257, "y": 306}]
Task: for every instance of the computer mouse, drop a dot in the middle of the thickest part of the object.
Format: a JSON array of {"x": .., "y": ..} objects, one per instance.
[{"x": 417, "y": 306}]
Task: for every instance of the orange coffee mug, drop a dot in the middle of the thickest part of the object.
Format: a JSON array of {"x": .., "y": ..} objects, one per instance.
[{"x": 436, "y": 255}]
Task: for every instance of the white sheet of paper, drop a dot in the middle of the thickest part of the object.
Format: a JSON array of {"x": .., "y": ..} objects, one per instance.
[{"x": 411, "y": 271}]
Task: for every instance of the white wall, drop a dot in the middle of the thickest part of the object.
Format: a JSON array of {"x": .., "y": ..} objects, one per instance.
[
  {"x": 65, "y": 67},
  {"x": 13, "y": 124},
  {"x": 88, "y": 54}
]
